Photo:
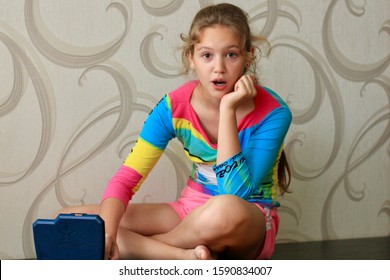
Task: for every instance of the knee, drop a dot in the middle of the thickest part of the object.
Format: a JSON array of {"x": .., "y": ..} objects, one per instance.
[
  {"x": 65, "y": 210},
  {"x": 221, "y": 216},
  {"x": 81, "y": 209}
]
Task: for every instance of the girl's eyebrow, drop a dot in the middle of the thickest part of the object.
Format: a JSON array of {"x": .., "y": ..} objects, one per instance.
[{"x": 225, "y": 48}]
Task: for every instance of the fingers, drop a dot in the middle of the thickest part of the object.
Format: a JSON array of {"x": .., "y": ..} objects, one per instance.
[
  {"x": 246, "y": 86},
  {"x": 244, "y": 89},
  {"x": 111, "y": 251},
  {"x": 114, "y": 252}
]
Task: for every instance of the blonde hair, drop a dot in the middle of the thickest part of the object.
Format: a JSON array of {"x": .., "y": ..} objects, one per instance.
[{"x": 236, "y": 20}]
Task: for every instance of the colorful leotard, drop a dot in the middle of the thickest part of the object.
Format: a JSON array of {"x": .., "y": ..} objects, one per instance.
[{"x": 250, "y": 174}]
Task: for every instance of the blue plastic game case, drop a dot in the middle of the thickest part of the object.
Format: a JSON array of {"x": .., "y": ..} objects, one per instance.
[{"x": 69, "y": 237}]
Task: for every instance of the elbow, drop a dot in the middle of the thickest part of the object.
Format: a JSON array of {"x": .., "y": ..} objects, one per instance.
[{"x": 243, "y": 191}]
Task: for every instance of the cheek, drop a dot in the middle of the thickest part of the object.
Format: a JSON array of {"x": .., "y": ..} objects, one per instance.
[
  {"x": 202, "y": 68},
  {"x": 239, "y": 69}
]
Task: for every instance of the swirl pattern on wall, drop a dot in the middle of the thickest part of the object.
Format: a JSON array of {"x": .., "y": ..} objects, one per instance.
[
  {"x": 71, "y": 111},
  {"x": 65, "y": 54},
  {"x": 25, "y": 67}
]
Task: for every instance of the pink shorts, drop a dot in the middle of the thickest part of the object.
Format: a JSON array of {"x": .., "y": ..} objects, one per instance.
[{"x": 191, "y": 198}]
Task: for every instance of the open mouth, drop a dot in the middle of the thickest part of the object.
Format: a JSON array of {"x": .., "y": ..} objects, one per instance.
[{"x": 219, "y": 83}]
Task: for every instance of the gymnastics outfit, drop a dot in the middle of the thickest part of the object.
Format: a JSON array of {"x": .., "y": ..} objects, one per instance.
[{"x": 251, "y": 174}]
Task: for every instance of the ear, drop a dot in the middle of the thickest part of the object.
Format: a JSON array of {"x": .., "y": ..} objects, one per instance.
[
  {"x": 252, "y": 57},
  {"x": 190, "y": 58}
]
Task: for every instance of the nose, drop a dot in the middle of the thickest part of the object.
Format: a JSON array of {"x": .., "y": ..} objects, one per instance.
[{"x": 219, "y": 66}]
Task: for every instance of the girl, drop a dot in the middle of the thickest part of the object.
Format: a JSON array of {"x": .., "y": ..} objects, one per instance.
[{"x": 232, "y": 130}]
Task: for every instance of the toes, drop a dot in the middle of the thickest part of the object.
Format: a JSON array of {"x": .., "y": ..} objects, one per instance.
[{"x": 203, "y": 253}]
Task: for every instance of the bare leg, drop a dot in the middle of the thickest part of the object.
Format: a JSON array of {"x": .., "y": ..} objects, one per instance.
[
  {"x": 227, "y": 225},
  {"x": 135, "y": 246},
  {"x": 141, "y": 221},
  {"x": 84, "y": 209}
]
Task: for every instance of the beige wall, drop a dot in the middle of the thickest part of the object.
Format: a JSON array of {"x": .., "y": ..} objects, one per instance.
[{"x": 78, "y": 78}]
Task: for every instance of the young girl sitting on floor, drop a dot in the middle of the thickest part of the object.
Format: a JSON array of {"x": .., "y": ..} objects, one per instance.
[{"x": 232, "y": 130}]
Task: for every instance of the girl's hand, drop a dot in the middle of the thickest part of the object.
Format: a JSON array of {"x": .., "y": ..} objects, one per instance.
[
  {"x": 244, "y": 90},
  {"x": 111, "y": 251}
]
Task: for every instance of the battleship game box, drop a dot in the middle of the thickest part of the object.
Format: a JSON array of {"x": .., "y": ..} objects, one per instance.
[{"x": 69, "y": 237}]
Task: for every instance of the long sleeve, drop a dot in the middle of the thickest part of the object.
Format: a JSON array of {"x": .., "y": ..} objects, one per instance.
[
  {"x": 252, "y": 171},
  {"x": 152, "y": 141}
]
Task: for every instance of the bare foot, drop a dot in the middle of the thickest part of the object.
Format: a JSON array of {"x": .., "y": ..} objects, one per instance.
[{"x": 201, "y": 252}]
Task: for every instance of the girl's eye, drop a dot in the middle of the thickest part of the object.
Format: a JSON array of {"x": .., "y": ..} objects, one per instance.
[
  {"x": 232, "y": 55},
  {"x": 206, "y": 55}
]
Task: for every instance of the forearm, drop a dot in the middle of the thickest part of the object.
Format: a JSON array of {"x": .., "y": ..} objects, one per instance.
[
  {"x": 111, "y": 212},
  {"x": 241, "y": 99},
  {"x": 228, "y": 142}
]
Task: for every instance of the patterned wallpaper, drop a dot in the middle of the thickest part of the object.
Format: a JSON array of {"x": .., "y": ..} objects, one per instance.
[{"x": 78, "y": 78}]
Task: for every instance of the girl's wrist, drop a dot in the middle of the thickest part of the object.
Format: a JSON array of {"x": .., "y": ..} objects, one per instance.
[{"x": 226, "y": 106}]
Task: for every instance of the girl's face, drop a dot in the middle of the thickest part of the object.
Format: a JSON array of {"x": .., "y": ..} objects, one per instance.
[{"x": 218, "y": 60}]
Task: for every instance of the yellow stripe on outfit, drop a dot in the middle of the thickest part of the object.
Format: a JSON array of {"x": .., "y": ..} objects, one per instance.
[
  {"x": 185, "y": 124},
  {"x": 275, "y": 178},
  {"x": 143, "y": 157}
]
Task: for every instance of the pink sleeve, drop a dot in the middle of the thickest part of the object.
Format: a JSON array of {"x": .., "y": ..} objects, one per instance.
[{"x": 121, "y": 185}]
